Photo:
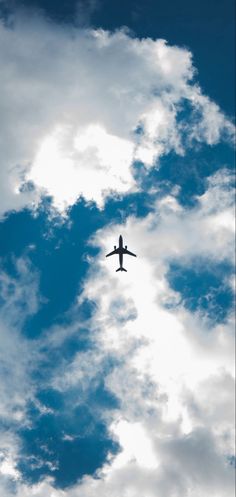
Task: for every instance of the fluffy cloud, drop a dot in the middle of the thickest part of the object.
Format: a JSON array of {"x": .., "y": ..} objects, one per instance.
[
  {"x": 173, "y": 371},
  {"x": 80, "y": 106},
  {"x": 175, "y": 376}
]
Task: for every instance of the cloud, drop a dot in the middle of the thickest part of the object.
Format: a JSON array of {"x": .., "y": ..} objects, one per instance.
[
  {"x": 19, "y": 295},
  {"x": 79, "y": 106},
  {"x": 174, "y": 380},
  {"x": 172, "y": 373},
  {"x": 19, "y": 299},
  {"x": 159, "y": 360},
  {"x": 8, "y": 454}
]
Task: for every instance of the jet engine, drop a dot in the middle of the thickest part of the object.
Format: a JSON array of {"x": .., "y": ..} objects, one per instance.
[
  {"x": 125, "y": 246},
  {"x": 115, "y": 247}
]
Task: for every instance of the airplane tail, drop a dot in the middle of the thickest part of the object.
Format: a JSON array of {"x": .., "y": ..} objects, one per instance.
[{"x": 121, "y": 269}]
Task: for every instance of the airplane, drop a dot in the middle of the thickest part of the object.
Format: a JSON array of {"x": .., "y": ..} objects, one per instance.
[{"x": 121, "y": 251}]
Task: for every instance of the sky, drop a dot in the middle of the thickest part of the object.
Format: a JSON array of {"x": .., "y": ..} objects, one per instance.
[{"x": 117, "y": 118}]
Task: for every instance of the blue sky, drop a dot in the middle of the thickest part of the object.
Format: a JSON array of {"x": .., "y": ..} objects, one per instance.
[{"x": 117, "y": 384}]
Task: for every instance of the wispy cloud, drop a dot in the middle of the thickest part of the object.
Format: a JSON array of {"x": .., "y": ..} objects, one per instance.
[{"x": 19, "y": 299}]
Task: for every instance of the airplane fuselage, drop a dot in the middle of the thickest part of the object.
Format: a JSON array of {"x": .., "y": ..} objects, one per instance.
[{"x": 120, "y": 251}]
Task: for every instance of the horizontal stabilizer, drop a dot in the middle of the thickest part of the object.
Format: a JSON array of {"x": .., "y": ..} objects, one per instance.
[{"x": 121, "y": 269}]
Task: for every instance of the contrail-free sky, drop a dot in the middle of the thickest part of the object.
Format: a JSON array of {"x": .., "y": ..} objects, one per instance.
[{"x": 116, "y": 119}]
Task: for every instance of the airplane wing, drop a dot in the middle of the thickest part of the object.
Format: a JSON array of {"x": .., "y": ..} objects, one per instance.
[
  {"x": 113, "y": 252},
  {"x": 125, "y": 251}
]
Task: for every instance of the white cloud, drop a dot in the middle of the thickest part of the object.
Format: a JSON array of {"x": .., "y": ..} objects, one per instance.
[
  {"x": 72, "y": 100},
  {"x": 175, "y": 379},
  {"x": 107, "y": 159},
  {"x": 212, "y": 123},
  {"x": 19, "y": 299},
  {"x": 19, "y": 295},
  {"x": 8, "y": 453},
  {"x": 174, "y": 373}
]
